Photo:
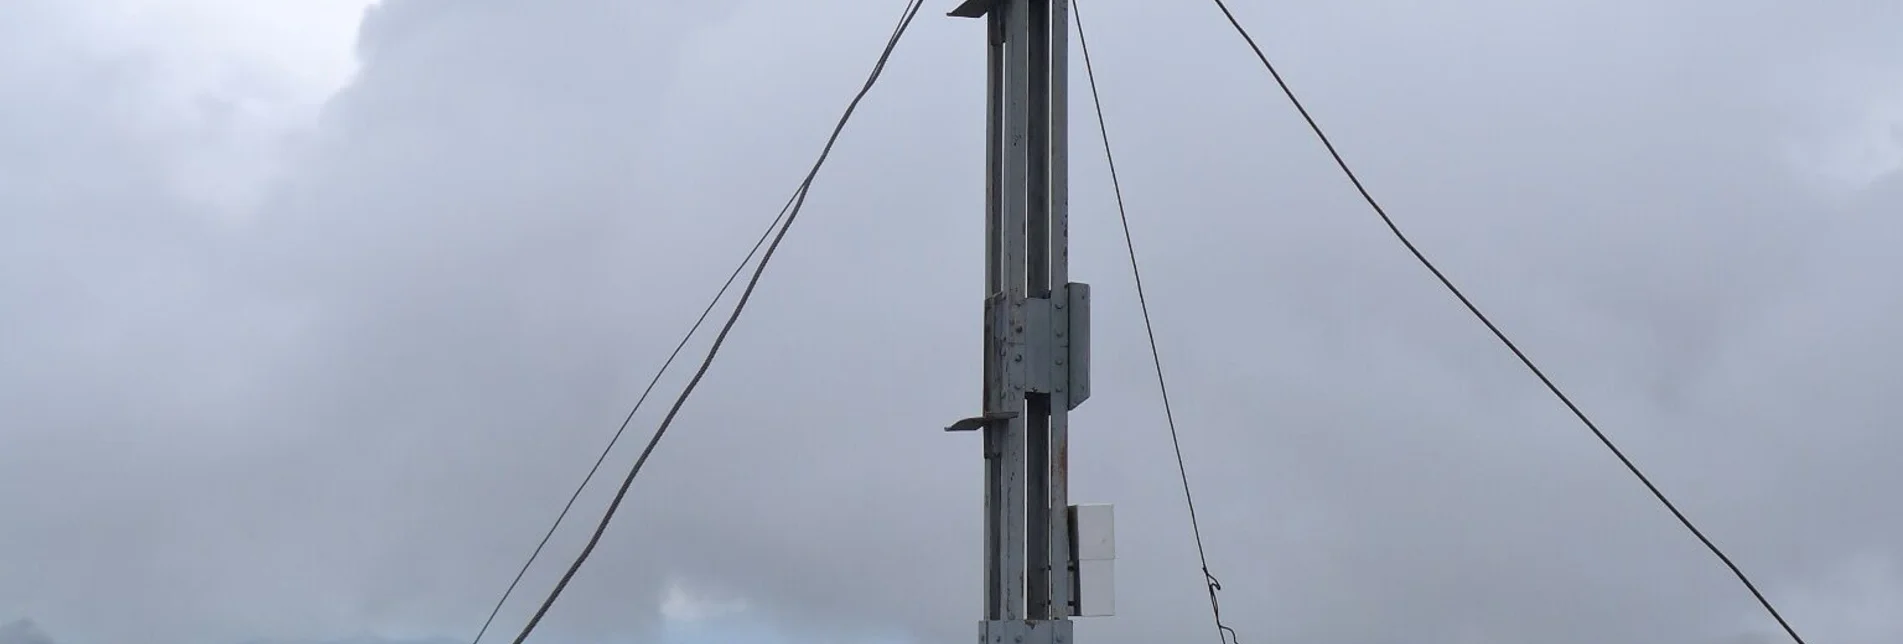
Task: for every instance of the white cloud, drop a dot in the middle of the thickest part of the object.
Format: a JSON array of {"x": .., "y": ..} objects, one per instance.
[
  {"x": 1849, "y": 132},
  {"x": 227, "y": 86},
  {"x": 681, "y": 605},
  {"x": 306, "y": 46}
]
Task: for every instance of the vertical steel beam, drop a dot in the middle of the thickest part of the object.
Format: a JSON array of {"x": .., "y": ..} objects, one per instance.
[
  {"x": 1036, "y": 324},
  {"x": 1056, "y": 524},
  {"x": 994, "y": 398},
  {"x": 1011, "y": 298}
]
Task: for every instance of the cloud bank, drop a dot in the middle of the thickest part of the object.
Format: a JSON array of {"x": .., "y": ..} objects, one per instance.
[{"x": 308, "y": 354}]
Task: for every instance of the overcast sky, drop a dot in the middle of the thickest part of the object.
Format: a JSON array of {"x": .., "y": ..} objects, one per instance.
[{"x": 314, "y": 312}]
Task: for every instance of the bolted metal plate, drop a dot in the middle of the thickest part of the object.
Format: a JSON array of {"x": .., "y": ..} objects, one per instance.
[{"x": 1017, "y": 631}]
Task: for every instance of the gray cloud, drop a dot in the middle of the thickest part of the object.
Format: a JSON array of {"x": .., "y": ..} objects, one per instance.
[{"x": 357, "y": 407}]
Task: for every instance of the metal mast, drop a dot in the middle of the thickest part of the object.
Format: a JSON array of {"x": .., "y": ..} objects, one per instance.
[{"x": 1045, "y": 560}]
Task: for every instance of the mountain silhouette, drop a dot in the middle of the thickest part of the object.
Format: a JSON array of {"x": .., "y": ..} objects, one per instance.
[{"x": 23, "y": 632}]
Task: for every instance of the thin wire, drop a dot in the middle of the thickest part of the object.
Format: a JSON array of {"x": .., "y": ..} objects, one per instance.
[
  {"x": 665, "y": 365},
  {"x": 912, "y": 9},
  {"x": 1223, "y": 632},
  {"x": 1497, "y": 333}
]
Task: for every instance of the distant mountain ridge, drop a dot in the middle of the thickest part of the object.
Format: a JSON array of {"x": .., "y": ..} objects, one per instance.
[
  {"x": 24, "y": 631},
  {"x": 353, "y": 640}
]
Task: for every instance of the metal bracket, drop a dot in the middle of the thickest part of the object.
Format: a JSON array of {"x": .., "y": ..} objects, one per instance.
[
  {"x": 992, "y": 420},
  {"x": 1077, "y": 350},
  {"x": 973, "y": 8}
]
